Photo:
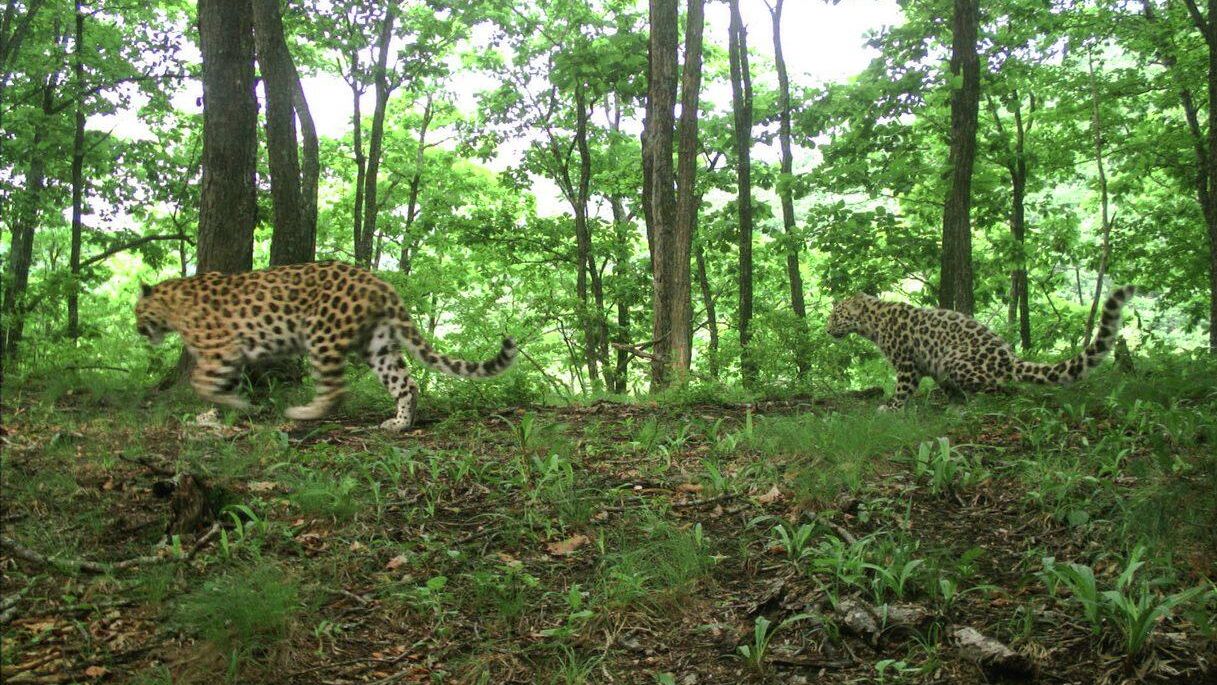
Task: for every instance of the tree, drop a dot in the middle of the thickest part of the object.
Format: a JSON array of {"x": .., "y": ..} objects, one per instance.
[
  {"x": 741, "y": 105},
  {"x": 293, "y": 239},
  {"x": 955, "y": 276},
  {"x": 786, "y": 193},
  {"x": 228, "y": 209},
  {"x": 658, "y": 190},
  {"x": 1206, "y": 151}
]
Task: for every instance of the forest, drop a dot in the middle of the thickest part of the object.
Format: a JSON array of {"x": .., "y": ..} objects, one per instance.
[{"x": 689, "y": 474}]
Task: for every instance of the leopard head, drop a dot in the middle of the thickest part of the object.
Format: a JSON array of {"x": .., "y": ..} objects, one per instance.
[
  {"x": 151, "y": 314},
  {"x": 848, "y": 316}
]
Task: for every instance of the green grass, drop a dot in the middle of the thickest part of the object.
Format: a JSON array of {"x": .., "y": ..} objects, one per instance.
[{"x": 243, "y": 610}]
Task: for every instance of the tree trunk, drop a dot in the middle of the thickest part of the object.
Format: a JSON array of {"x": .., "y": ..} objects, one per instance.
[
  {"x": 228, "y": 209},
  {"x": 360, "y": 160},
  {"x": 78, "y": 158},
  {"x": 416, "y": 181},
  {"x": 687, "y": 198},
  {"x": 21, "y": 249},
  {"x": 290, "y": 242},
  {"x": 955, "y": 282},
  {"x": 1096, "y": 122},
  {"x": 617, "y": 381},
  {"x": 707, "y": 297},
  {"x": 1206, "y": 151},
  {"x": 741, "y": 102},
  {"x": 310, "y": 163},
  {"x": 363, "y": 249},
  {"x": 586, "y": 263},
  {"x": 659, "y": 194},
  {"x": 802, "y": 354}
]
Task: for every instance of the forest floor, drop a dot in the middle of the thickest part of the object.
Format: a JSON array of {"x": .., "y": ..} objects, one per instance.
[{"x": 801, "y": 540}]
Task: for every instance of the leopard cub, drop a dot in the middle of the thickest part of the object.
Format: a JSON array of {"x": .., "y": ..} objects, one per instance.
[{"x": 957, "y": 351}]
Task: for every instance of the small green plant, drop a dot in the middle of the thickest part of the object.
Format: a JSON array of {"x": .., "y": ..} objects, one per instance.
[
  {"x": 242, "y": 611},
  {"x": 795, "y": 541},
  {"x": 763, "y": 631}
]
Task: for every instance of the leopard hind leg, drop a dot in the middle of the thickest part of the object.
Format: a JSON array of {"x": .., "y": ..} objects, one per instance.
[{"x": 383, "y": 354}]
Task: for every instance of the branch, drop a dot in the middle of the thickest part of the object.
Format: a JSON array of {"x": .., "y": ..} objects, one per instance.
[
  {"x": 129, "y": 245},
  {"x": 1200, "y": 22}
]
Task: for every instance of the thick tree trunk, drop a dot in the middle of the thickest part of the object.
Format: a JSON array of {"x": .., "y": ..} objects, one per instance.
[
  {"x": 955, "y": 281},
  {"x": 659, "y": 197},
  {"x": 78, "y": 158},
  {"x": 741, "y": 102},
  {"x": 802, "y": 354},
  {"x": 363, "y": 249},
  {"x": 687, "y": 198},
  {"x": 290, "y": 242},
  {"x": 228, "y": 209}
]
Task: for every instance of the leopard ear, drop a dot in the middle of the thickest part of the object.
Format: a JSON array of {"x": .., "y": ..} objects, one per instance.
[{"x": 144, "y": 289}]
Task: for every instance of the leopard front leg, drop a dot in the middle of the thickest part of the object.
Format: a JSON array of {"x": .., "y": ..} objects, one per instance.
[
  {"x": 907, "y": 380},
  {"x": 216, "y": 376}
]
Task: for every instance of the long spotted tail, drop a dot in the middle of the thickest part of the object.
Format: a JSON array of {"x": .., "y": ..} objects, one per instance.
[
  {"x": 420, "y": 349},
  {"x": 1072, "y": 369}
]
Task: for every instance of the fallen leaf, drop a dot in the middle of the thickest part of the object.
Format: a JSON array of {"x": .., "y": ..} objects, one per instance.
[
  {"x": 770, "y": 497},
  {"x": 261, "y": 486},
  {"x": 689, "y": 487},
  {"x": 356, "y": 546},
  {"x": 396, "y": 562},
  {"x": 567, "y": 546},
  {"x": 96, "y": 671}
]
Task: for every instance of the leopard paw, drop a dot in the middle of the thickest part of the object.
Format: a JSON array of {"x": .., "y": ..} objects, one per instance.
[
  {"x": 307, "y": 412},
  {"x": 395, "y": 425}
]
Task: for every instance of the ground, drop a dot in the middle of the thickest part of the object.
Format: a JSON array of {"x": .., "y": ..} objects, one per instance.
[{"x": 803, "y": 539}]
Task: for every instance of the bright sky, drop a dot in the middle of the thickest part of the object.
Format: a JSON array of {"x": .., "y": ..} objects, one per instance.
[{"x": 822, "y": 42}]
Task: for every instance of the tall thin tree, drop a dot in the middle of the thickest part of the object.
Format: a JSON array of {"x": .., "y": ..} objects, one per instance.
[{"x": 741, "y": 104}]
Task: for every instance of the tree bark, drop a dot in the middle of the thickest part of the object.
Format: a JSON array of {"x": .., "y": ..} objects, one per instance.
[
  {"x": 1019, "y": 315},
  {"x": 687, "y": 198},
  {"x": 955, "y": 281},
  {"x": 363, "y": 249},
  {"x": 617, "y": 380},
  {"x": 659, "y": 193},
  {"x": 78, "y": 157},
  {"x": 290, "y": 242},
  {"x": 802, "y": 353},
  {"x": 741, "y": 102},
  {"x": 228, "y": 209}
]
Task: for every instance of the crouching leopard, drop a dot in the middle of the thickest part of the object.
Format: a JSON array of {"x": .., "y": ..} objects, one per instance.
[
  {"x": 958, "y": 352},
  {"x": 326, "y": 310}
]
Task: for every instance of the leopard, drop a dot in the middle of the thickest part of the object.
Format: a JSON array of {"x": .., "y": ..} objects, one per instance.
[
  {"x": 961, "y": 354},
  {"x": 325, "y": 310}
]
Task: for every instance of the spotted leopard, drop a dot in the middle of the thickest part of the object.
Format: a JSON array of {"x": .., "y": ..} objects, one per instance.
[
  {"x": 957, "y": 351},
  {"x": 326, "y": 310}
]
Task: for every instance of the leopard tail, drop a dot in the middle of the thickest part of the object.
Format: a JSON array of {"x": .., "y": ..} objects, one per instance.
[
  {"x": 1072, "y": 369},
  {"x": 420, "y": 349}
]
